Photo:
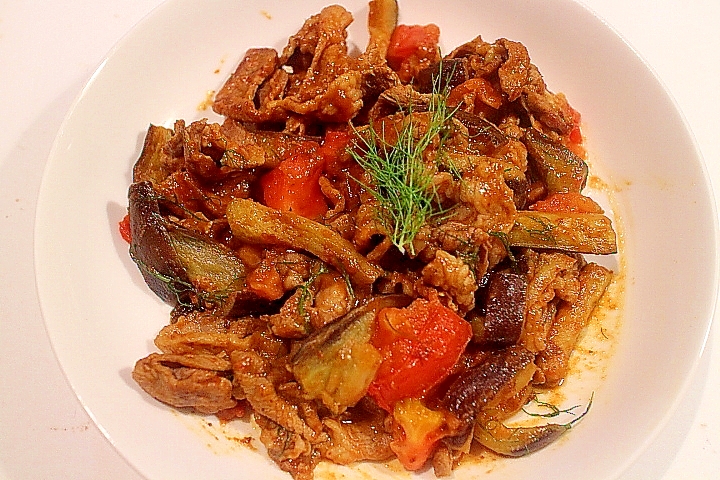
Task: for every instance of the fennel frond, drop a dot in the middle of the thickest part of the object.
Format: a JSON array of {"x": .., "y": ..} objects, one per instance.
[{"x": 400, "y": 181}]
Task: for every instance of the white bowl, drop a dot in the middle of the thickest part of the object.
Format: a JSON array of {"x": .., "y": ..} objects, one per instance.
[{"x": 101, "y": 318}]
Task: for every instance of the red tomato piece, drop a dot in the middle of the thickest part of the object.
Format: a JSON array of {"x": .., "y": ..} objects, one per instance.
[
  {"x": 419, "y": 345},
  {"x": 124, "y": 228},
  {"x": 335, "y": 145},
  {"x": 411, "y": 46},
  {"x": 293, "y": 186},
  {"x": 567, "y": 203}
]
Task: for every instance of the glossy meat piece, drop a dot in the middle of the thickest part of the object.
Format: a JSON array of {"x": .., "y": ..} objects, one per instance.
[
  {"x": 358, "y": 435},
  {"x": 236, "y": 99},
  {"x": 313, "y": 76},
  {"x": 453, "y": 277},
  {"x": 250, "y": 375},
  {"x": 547, "y": 273}
]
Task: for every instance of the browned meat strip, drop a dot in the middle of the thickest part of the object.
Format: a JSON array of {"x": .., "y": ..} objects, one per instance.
[
  {"x": 250, "y": 372},
  {"x": 196, "y": 381},
  {"x": 236, "y": 99}
]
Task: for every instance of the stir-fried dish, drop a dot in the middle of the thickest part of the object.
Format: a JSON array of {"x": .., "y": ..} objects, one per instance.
[{"x": 375, "y": 256}]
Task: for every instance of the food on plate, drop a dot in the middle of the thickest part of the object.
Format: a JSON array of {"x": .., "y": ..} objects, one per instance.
[{"x": 377, "y": 256}]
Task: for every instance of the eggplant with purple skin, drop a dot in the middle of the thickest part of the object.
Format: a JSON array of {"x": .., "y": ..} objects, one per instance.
[
  {"x": 337, "y": 363},
  {"x": 504, "y": 310},
  {"x": 182, "y": 267},
  {"x": 521, "y": 441},
  {"x": 156, "y": 161},
  {"x": 559, "y": 168},
  {"x": 517, "y": 441},
  {"x": 502, "y": 375},
  {"x": 151, "y": 247}
]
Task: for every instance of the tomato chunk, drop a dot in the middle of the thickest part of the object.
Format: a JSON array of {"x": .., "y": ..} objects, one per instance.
[
  {"x": 569, "y": 202},
  {"x": 124, "y": 229},
  {"x": 412, "y": 47},
  {"x": 419, "y": 345},
  {"x": 293, "y": 186}
]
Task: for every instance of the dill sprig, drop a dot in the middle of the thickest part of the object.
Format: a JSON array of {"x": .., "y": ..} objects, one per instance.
[
  {"x": 305, "y": 292},
  {"x": 401, "y": 182},
  {"x": 554, "y": 410}
]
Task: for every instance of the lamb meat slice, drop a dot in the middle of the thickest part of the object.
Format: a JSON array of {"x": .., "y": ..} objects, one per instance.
[
  {"x": 358, "y": 436},
  {"x": 195, "y": 381},
  {"x": 292, "y": 453},
  {"x": 236, "y": 98},
  {"x": 252, "y": 378}
]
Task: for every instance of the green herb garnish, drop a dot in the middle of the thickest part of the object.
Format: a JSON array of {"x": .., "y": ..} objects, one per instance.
[
  {"x": 400, "y": 181},
  {"x": 551, "y": 410},
  {"x": 305, "y": 292}
]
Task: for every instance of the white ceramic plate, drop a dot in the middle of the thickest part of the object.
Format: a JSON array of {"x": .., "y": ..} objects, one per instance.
[{"x": 101, "y": 318}]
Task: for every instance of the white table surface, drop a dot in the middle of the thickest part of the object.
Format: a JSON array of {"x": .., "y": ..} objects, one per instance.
[{"x": 48, "y": 50}]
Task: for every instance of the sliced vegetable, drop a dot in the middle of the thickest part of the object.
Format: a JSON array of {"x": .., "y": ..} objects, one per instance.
[
  {"x": 504, "y": 316},
  {"x": 382, "y": 20},
  {"x": 483, "y": 135},
  {"x": 419, "y": 345},
  {"x": 570, "y": 321},
  {"x": 152, "y": 249},
  {"x": 180, "y": 266},
  {"x": 518, "y": 441},
  {"x": 570, "y": 232},
  {"x": 255, "y": 223},
  {"x": 211, "y": 267},
  {"x": 338, "y": 362},
  {"x": 499, "y": 377},
  {"x": 521, "y": 441},
  {"x": 154, "y": 163},
  {"x": 556, "y": 165}
]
